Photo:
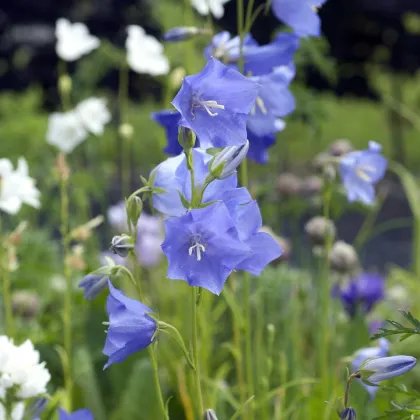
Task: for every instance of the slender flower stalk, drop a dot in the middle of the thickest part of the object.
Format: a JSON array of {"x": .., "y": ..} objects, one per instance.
[{"x": 194, "y": 306}]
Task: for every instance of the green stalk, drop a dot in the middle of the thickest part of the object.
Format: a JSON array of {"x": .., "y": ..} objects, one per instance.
[
  {"x": 123, "y": 91},
  {"x": 7, "y": 298},
  {"x": 68, "y": 297},
  {"x": 194, "y": 316}
]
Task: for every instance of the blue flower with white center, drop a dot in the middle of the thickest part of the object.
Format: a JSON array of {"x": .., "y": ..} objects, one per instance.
[
  {"x": 361, "y": 293},
  {"x": 366, "y": 353},
  {"x": 130, "y": 329},
  {"x": 169, "y": 120},
  {"x": 360, "y": 170},
  {"x": 214, "y": 104},
  {"x": 274, "y": 100},
  {"x": 383, "y": 368},
  {"x": 247, "y": 218},
  {"x": 300, "y": 15},
  {"x": 83, "y": 414},
  {"x": 173, "y": 175},
  {"x": 203, "y": 247}
]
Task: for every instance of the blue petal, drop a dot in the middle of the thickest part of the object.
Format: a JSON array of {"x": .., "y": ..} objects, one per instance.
[{"x": 169, "y": 120}]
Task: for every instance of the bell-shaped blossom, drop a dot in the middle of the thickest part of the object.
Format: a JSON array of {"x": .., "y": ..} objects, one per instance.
[
  {"x": 274, "y": 100},
  {"x": 381, "y": 350},
  {"x": 22, "y": 376},
  {"x": 173, "y": 176},
  {"x": 65, "y": 131},
  {"x": 93, "y": 284},
  {"x": 145, "y": 53},
  {"x": 73, "y": 40},
  {"x": 130, "y": 328},
  {"x": 215, "y": 7},
  {"x": 94, "y": 114},
  {"x": 361, "y": 293},
  {"x": 248, "y": 222},
  {"x": 259, "y": 145},
  {"x": 169, "y": 120},
  {"x": 82, "y": 414},
  {"x": 300, "y": 15},
  {"x": 203, "y": 247},
  {"x": 17, "y": 187},
  {"x": 360, "y": 170},
  {"x": 383, "y": 368},
  {"x": 214, "y": 104}
]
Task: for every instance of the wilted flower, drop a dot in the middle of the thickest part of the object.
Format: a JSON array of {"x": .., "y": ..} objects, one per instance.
[
  {"x": 214, "y": 104},
  {"x": 16, "y": 187},
  {"x": 130, "y": 328},
  {"x": 94, "y": 114},
  {"x": 312, "y": 185},
  {"x": 215, "y": 7},
  {"x": 145, "y": 53},
  {"x": 73, "y": 40},
  {"x": 301, "y": 15},
  {"x": 381, "y": 350},
  {"x": 226, "y": 162},
  {"x": 83, "y": 414},
  {"x": 360, "y": 170},
  {"x": 383, "y": 368},
  {"x": 319, "y": 229},
  {"x": 361, "y": 293},
  {"x": 65, "y": 131},
  {"x": 343, "y": 257},
  {"x": 348, "y": 414}
]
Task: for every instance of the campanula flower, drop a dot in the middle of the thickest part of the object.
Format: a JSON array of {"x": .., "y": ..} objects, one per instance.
[
  {"x": 226, "y": 162},
  {"x": 348, "y": 414},
  {"x": 259, "y": 145},
  {"x": 248, "y": 222},
  {"x": 381, "y": 350},
  {"x": 383, "y": 368},
  {"x": 83, "y": 414},
  {"x": 94, "y": 284},
  {"x": 203, "y": 247},
  {"x": 274, "y": 100},
  {"x": 122, "y": 245},
  {"x": 169, "y": 120},
  {"x": 130, "y": 328},
  {"x": 300, "y": 15},
  {"x": 361, "y": 293},
  {"x": 360, "y": 170},
  {"x": 214, "y": 104},
  {"x": 172, "y": 175},
  {"x": 94, "y": 114},
  {"x": 215, "y": 7}
]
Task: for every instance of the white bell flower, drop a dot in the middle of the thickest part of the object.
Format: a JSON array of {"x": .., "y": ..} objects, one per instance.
[
  {"x": 145, "y": 53},
  {"x": 215, "y": 7},
  {"x": 73, "y": 40},
  {"x": 94, "y": 114}
]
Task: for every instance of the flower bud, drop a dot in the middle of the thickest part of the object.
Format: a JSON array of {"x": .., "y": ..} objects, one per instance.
[
  {"x": 65, "y": 84},
  {"x": 312, "y": 185},
  {"x": 343, "y": 258},
  {"x": 176, "y": 77},
  {"x": 319, "y": 229},
  {"x": 93, "y": 284},
  {"x": 226, "y": 162},
  {"x": 210, "y": 415},
  {"x": 183, "y": 33},
  {"x": 341, "y": 147},
  {"x": 121, "y": 245},
  {"x": 186, "y": 137},
  {"x": 134, "y": 209},
  {"x": 383, "y": 368},
  {"x": 25, "y": 304},
  {"x": 289, "y": 185},
  {"x": 348, "y": 414},
  {"x": 126, "y": 130}
]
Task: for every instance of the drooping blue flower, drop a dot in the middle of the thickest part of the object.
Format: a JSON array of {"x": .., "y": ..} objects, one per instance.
[
  {"x": 381, "y": 350},
  {"x": 130, "y": 328},
  {"x": 214, "y": 104},
  {"x": 203, "y": 247},
  {"x": 83, "y": 414},
  {"x": 360, "y": 170},
  {"x": 93, "y": 284},
  {"x": 169, "y": 120},
  {"x": 361, "y": 293},
  {"x": 274, "y": 100},
  {"x": 247, "y": 219},
  {"x": 300, "y": 15},
  {"x": 172, "y": 175},
  {"x": 384, "y": 368}
]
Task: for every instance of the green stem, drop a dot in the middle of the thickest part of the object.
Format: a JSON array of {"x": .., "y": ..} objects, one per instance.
[
  {"x": 62, "y": 90},
  {"x": 157, "y": 383},
  {"x": 68, "y": 297},
  {"x": 195, "y": 351},
  {"x": 7, "y": 298},
  {"x": 123, "y": 91}
]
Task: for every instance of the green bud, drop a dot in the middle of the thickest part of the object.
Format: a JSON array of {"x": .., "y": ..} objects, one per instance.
[
  {"x": 186, "y": 138},
  {"x": 134, "y": 207}
]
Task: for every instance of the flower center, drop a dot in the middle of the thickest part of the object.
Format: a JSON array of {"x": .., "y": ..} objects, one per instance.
[
  {"x": 362, "y": 172},
  {"x": 206, "y": 105},
  {"x": 197, "y": 247}
]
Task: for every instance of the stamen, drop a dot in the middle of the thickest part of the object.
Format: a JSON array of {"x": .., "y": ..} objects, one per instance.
[
  {"x": 260, "y": 103},
  {"x": 198, "y": 248},
  {"x": 361, "y": 171},
  {"x": 211, "y": 104}
]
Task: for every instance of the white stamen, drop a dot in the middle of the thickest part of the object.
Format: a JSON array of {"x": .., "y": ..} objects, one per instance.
[
  {"x": 211, "y": 104},
  {"x": 361, "y": 171},
  {"x": 260, "y": 103},
  {"x": 198, "y": 248}
]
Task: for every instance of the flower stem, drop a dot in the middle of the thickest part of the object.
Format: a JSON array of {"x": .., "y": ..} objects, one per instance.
[
  {"x": 69, "y": 290},
  {"x": 7, "y": 298},
  {"x": 123, "y": 91},
  {"x": 157, "y": 382},
  {"x": 195, "y": 351}
]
